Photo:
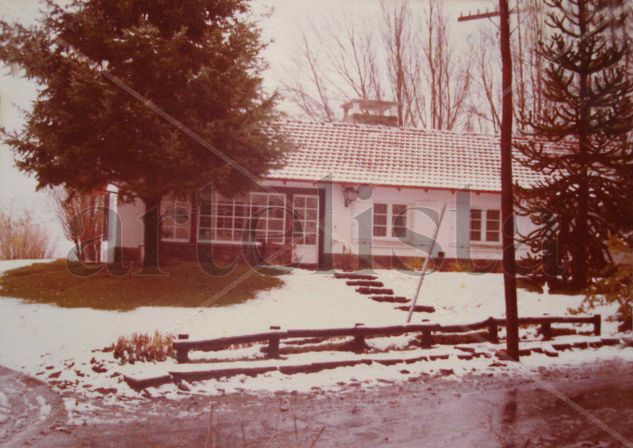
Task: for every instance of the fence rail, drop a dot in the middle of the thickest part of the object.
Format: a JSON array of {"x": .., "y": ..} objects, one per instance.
[{"x": 183, "y": 345}]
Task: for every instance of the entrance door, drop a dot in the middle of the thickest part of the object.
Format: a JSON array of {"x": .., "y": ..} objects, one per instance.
[{"x": 305, "y": 229}]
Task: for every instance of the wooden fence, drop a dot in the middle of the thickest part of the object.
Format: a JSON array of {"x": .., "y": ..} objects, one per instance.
[{"x": 183, "y": 345}]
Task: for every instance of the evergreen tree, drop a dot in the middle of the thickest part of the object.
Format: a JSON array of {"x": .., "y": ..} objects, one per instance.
[
  {"x": 617, "y": 286},
  {"x": 580, "y": 142},
  {"x": 113, "y": 76}
]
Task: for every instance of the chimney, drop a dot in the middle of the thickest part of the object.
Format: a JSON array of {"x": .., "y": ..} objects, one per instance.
[{"x": 374, "y": 112}]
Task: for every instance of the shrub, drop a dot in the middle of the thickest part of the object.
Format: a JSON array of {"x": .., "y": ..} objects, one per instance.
[{"x": 143, "y": 347}]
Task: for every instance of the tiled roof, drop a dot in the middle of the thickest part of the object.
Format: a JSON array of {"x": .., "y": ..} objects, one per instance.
[{"x": 383, "y": 155}]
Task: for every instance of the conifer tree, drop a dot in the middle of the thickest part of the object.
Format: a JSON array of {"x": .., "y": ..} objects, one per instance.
[
  {"x": 106, "y": 67},
  {"x": 580, "y": 143}
]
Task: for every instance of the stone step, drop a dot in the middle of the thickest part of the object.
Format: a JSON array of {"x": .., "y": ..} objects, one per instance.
[
  {"x": 368, "y": 283},
  {"x": 389, "y": 299},
  {"x": 418, "y": 308},
  {"x": 353, "y": 276},
  {"x": 368, "y": 291}
]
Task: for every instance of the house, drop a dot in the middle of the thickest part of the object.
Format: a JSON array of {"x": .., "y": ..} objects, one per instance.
[{"x": 351, "y": 192}]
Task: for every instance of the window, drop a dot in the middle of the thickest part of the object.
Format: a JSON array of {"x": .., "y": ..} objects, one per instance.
[
  {"x": 268, "y": 216},
  {"x": 380, "y": 219},
  {"x": 485, "y": 225},
  {"x": 225, "y": 219},
  {"x": 305, "y": 219},
  {"x": 176, "y": 223},
  {"x": 390, "y": 220}
]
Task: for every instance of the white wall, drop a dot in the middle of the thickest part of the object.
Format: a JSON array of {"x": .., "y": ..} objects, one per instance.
[
  {"x": 349, "y": 228},
  {"x": 352, "y": 225}
]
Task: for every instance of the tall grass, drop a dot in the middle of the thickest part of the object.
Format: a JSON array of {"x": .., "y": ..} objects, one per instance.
[{"x": 22, "y": 238}]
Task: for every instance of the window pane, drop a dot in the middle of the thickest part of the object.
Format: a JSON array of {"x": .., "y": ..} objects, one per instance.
[
  {"x": 399, "y": 232},
  {"x": 380, "y": 208},
  {"x": 399, "y": 209},
  {"x": 380, "y": 231},
  {"x": 493, "y": 214},
  {"x": 475, "y": 214},
  {"x": 299, "y": 201},
  {"x": 223, "y": 234},
  {"x": 475, "y": 235},
  {"x": 380, "y": 220},
  {"x": 275, "y": 224},
  {"x": 492, "y": 225},
  {"x": 492, "y": 236}
]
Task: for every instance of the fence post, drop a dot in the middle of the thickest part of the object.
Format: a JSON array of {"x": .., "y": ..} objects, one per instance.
[
  {"x": 182, "y": 354},
  {"x": 359, "y": 339},
  {"x": 546, "y": 330},
  {"x": 273, "y": 343},
  {"x": 493, "y": 330},
  {"x": 427, "y": 338},
  {"x": 597, "y": 324}
]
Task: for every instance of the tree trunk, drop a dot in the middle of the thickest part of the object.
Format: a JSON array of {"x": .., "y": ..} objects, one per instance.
[
  {"x": 579, "y": 272},
  {"x": 151, "y": 234},
  {"x": 507, "y": 205}
]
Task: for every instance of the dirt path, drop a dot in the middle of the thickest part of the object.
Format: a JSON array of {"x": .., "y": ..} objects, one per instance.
[
  {"x": 27, "y": 408},
  {"x": 436, "y": 412}
]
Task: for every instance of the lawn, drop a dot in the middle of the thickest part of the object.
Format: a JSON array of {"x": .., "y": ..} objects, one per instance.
[{"x": 69, "y": 285}]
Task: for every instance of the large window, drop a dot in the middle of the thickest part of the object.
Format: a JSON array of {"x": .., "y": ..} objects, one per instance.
[
  {"x": 226, "y": 219},
  {"x": 390, "y": 220},
  {"x": 176, "y": 224},
  {"x": 485, "y": 225}
]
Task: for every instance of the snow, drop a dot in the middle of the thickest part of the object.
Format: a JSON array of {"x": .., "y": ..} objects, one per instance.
[
  {"x": 58, "y": 344},
  {"x": 45, "y": 408}
]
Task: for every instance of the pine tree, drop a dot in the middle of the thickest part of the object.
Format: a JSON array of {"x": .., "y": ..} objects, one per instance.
[
  {"x": 617, "y": 286},
  {"x": 197, "y": 62},
  {"x": 580, "y": 142}
]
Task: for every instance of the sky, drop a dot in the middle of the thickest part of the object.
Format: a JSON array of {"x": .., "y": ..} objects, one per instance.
[{"x": 283, "y": 28}]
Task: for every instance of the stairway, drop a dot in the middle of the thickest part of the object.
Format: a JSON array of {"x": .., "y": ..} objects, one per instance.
[{"x": 369, "y": 286}]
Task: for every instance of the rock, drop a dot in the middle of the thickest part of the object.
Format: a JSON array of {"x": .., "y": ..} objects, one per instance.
[
  {"x": 106, "y": 390},
  {"x": 465, "y": 348},
  {"x": 610, "y": 341},
  {"x": 183, "y": 385},
  {"x": 447, "y": 372},
  {"x": 55, "y": 374},
  {"x": 405, "y": 372},
  {"x": 98, "y": 368}
]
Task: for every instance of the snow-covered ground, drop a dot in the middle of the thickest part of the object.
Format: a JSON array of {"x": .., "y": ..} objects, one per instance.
[{"x": 58, "y": 344}]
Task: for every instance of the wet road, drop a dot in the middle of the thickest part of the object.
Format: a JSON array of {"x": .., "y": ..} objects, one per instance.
[
  {"x": 27, "y": 407},
  {"x": 591, "y": 406}
]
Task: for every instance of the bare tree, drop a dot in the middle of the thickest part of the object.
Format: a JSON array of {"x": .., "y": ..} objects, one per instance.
[
  {"x": 81, "y": 216},
  {"x": 401, "y": 67},
  {"x": 528, "y": 67},
  {"x": 447, "y": 79},
  {"x": 22, "y": 238},
  {"x": 416, "y": 64},
  {"x": 337, "y": 63}
]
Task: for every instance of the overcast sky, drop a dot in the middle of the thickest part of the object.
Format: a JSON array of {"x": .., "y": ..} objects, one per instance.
[{"x": 284, "y": 28}]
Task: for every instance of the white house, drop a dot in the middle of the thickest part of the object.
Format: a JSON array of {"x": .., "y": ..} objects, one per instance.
[{"x": 349, "y": 191}]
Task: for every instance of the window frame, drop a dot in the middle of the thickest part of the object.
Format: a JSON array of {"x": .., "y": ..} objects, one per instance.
[
  {"x": 247, "y": 201},
  {"x": 389, "y": 224},
  {"x": 170, "y": 202},
  {"x": 485, "y": 221}
]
